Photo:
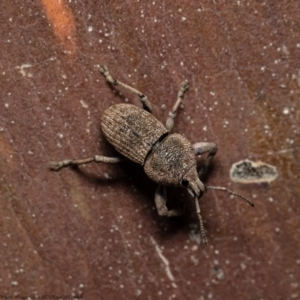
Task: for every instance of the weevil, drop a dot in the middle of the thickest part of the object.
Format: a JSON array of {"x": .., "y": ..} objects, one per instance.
[{"x": 169, "y": 159}]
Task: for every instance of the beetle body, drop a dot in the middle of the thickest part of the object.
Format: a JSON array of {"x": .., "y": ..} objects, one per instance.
[
  {"x": 140, "y": 137},
  {"x": 167, "y": 159},
  {"x": 131, "y": 130}
]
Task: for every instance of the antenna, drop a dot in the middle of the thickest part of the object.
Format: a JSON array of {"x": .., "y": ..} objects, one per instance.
[
  {"x": 221, "y": 188},
  {"x": 202, "y": 231}
]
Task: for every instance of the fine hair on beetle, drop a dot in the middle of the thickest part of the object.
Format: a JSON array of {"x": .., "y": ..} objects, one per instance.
[{"x": 168, "y": 159}]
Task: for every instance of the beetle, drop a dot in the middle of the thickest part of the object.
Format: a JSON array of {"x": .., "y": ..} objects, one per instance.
[{"x": 169, "y": 159}]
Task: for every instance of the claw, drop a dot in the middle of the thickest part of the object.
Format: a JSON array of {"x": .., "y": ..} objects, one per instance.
[
  {"x": 103, "y": 69},
  {"x": 55, "y": 165}
]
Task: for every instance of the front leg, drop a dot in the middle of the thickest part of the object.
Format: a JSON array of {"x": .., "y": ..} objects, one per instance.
[
  {"x": 160, "y": 203},
  {"x": 201, "y": 148},
  {"x": 57, "y": 165}
]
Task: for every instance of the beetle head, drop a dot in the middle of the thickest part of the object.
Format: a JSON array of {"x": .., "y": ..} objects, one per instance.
[{"x": 192, "y": 183}]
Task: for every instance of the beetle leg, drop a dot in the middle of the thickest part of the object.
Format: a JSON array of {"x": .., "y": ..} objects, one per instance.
[
  {"x": 201, "y": 148},
  {"x": 160, "y": 203},
  {"x": 172, "y": 114},
  {"x": 56, "y": 166},
  {"x": 144, "y": 99}
]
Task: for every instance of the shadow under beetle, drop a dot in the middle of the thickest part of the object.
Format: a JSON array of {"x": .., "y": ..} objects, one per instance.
[{"x": 168, "y": 158}]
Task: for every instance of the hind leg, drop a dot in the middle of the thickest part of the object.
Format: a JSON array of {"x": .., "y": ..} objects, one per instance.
[
  {"x": 146, "y": 103},
  {"x": 172, "y": 114}
]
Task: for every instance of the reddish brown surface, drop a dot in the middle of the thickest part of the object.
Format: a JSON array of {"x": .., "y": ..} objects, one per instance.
[{"x": 94, "y": 232}]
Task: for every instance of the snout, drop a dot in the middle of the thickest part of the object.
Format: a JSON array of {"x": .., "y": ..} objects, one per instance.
[{"x": 196, "y": 187}]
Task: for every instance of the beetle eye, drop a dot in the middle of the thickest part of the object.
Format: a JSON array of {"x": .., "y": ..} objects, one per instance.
[{"x": 184, "y": 182}]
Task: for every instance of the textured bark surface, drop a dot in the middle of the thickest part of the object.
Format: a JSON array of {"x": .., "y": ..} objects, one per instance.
[{"x": 93, "y": 231}]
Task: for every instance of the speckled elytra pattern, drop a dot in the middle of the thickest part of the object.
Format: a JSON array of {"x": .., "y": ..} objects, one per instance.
[{"x": 131, "y": 130}]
